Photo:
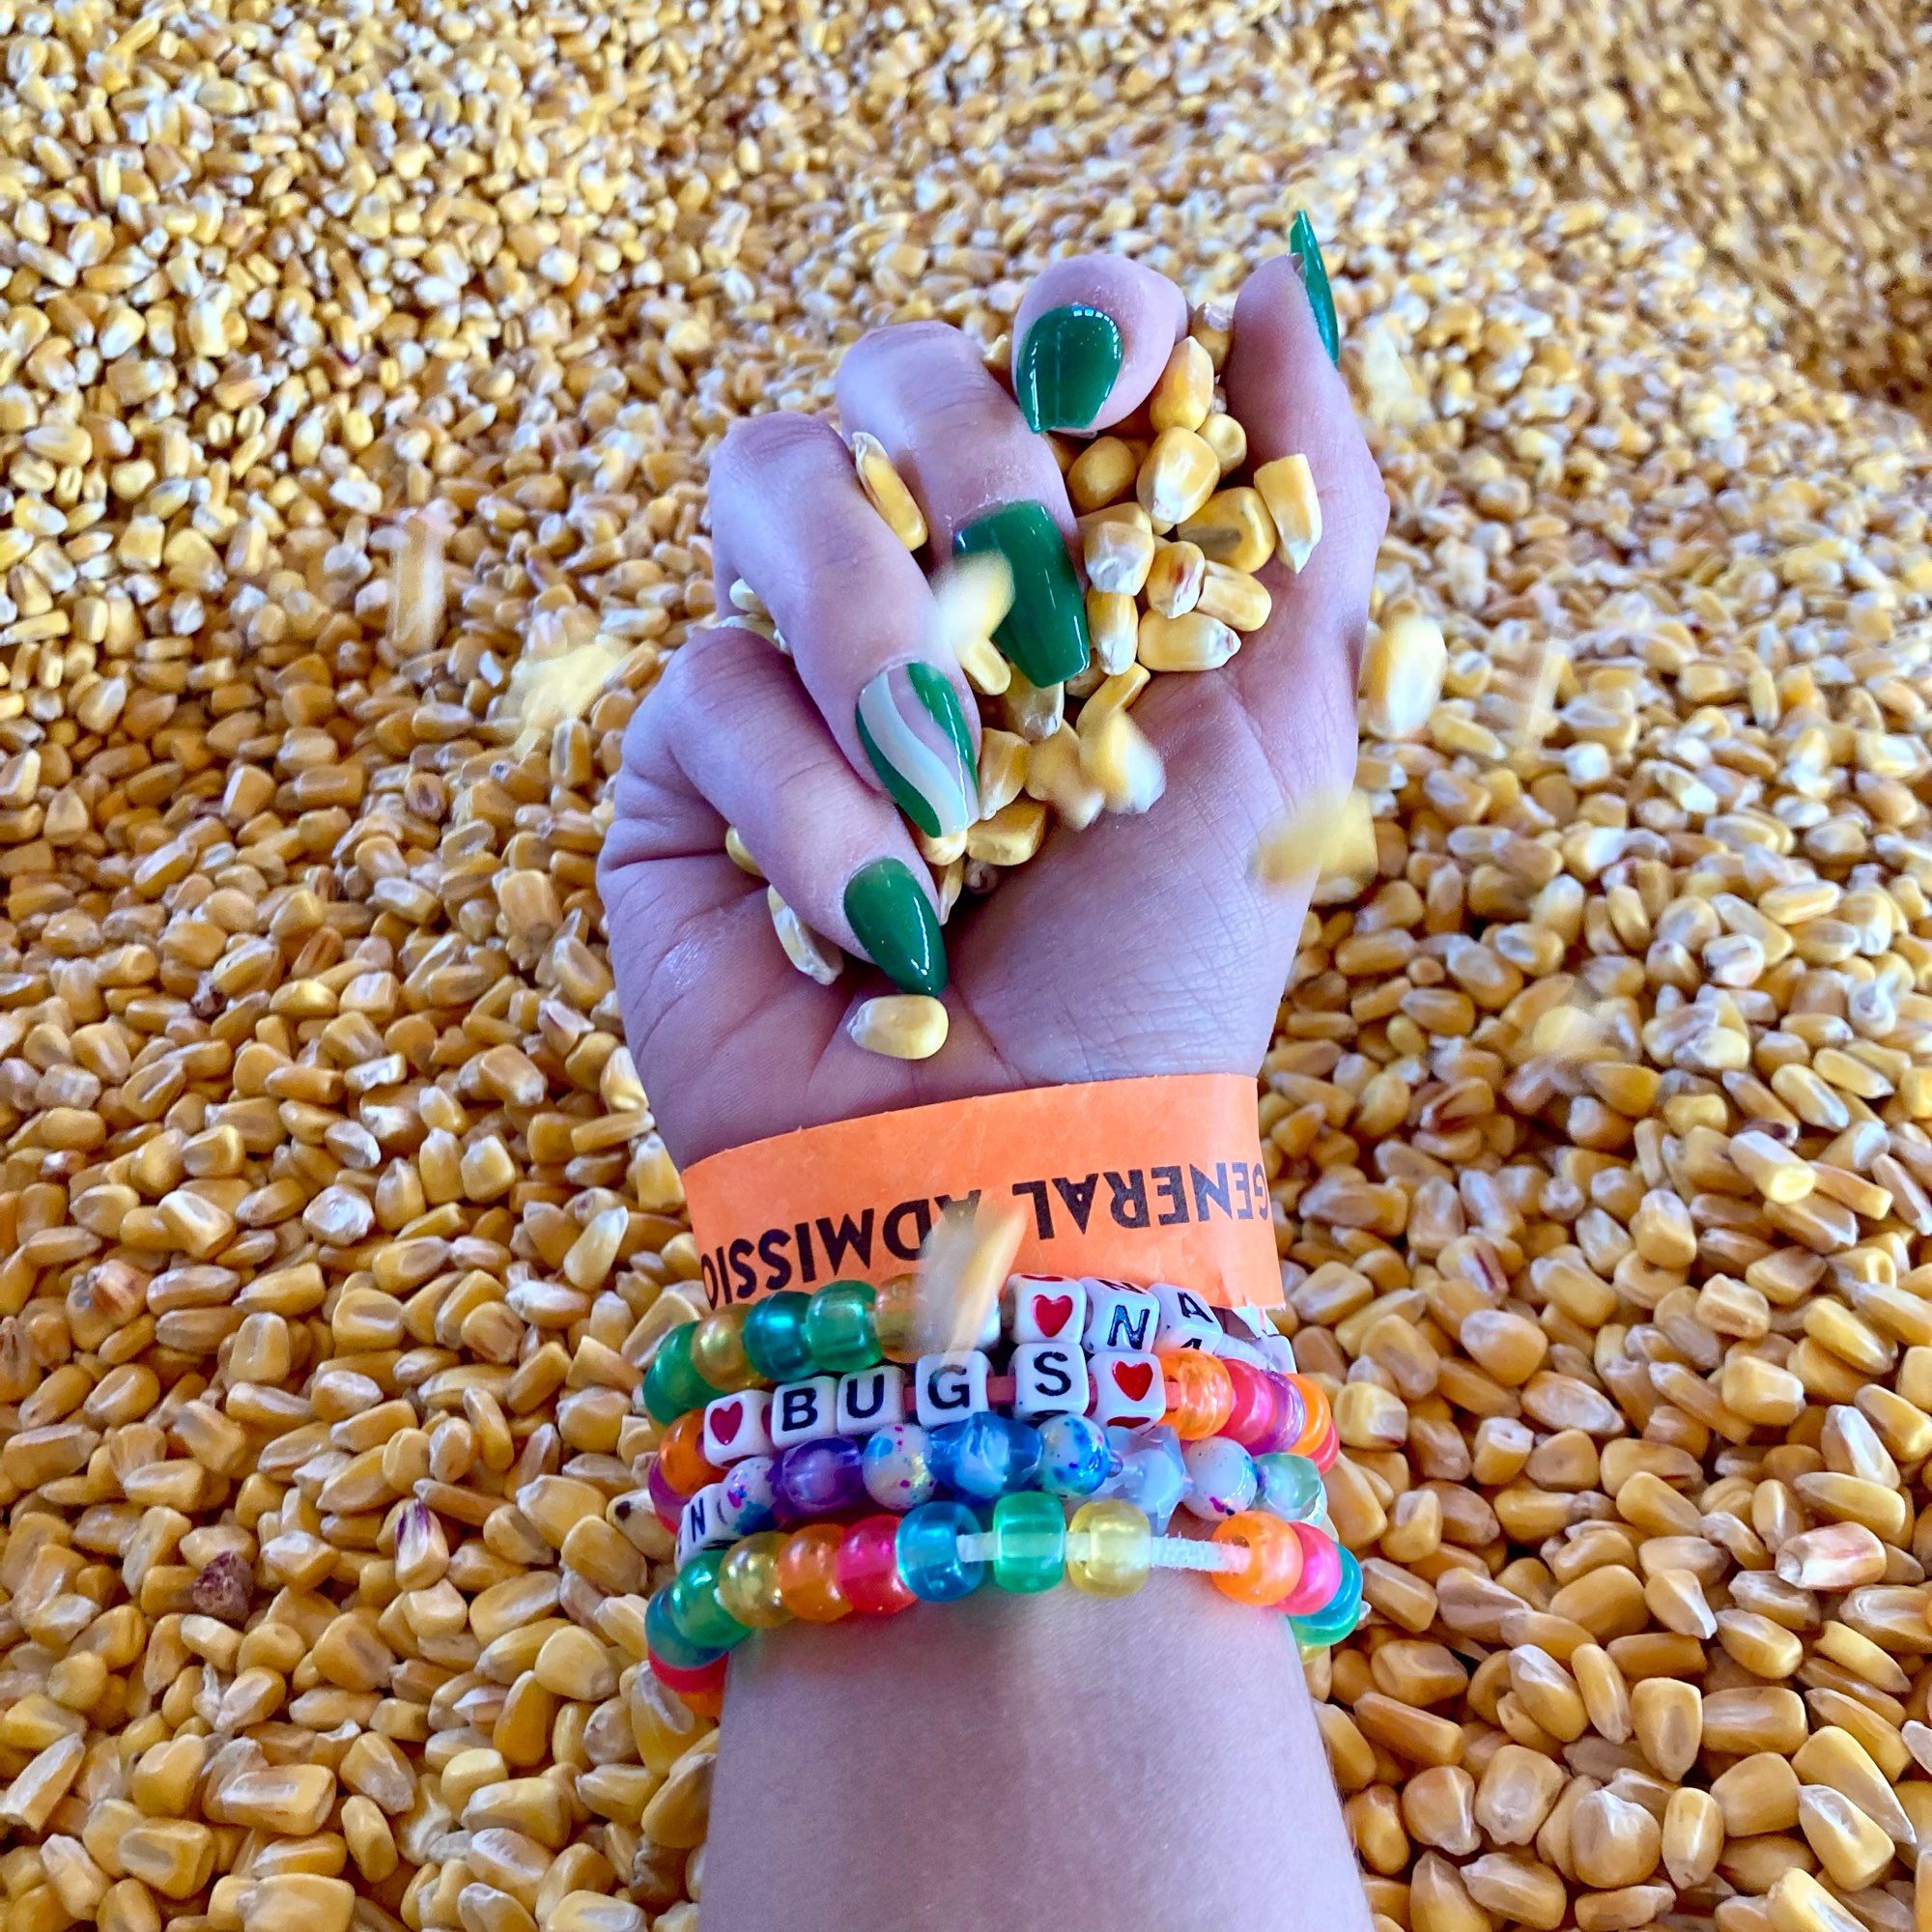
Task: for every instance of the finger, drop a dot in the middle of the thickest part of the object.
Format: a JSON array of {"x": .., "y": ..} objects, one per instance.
[
  {"x": 984, "y": 481},
  {"x": 1093, "y": 334},
  {"x": 789, "y": 516},
  {"x": 732, "y": 738},
  {"x": 1291, "y": 400}
]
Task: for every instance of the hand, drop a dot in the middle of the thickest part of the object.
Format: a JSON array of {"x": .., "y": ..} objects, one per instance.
[{"x": 1137, "y": 945}]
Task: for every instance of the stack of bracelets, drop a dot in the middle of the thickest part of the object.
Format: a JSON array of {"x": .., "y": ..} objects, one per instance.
[{"x": 784, "y": 1419}]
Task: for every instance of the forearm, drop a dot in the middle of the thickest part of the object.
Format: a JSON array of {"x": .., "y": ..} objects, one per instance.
[{"x": 1057, "y": 1760}]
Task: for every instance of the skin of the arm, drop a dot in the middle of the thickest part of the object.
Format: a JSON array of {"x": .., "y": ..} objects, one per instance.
[{"x": 1058, "y": 1761}]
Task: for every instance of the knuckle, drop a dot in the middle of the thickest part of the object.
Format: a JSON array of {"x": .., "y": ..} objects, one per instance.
[{"x": 779, "y": 442}]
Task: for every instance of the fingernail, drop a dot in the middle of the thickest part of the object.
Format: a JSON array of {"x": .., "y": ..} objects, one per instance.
[
  {"x": 914, "y": 732},
  {"x": 1066, "y": 367},
  {"x": 1307, "y": 253},
  {"x": 897, "y": 927},
  {"x": 1045, "y": 632}
]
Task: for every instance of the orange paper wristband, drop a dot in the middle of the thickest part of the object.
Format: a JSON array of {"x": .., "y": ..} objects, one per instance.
[{"x": 1135, "y": 1180}]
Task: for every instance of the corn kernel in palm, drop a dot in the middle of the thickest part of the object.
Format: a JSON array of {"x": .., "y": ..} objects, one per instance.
[
  {"x": 885, "y": 490},
  {"x": 1178, "y": 477},
  {"x": 1117, "y": 554},
  {"x": 1174, "y": 583},
  {"x": 1329, "y": 834},
  {"x": 739, "y": 853},
  {"x": 1402, "y": 677},
  {"x": 1185, "y": 392},
  {"x": 744, "y": 598},
  {"x": 1195, "y": 641},
  {"x": 1004, "y": 756},
  {"x": 1115, "y": 693},
  {"x": 1033, "y": 710},
  {"x": 1286, "y": 486},
  {"x": 1119, "y": 758},
  {"x": 900, "y": 1026},
  {"x": 1055, "y": 776},
  {"x": 986, "y": 671},
  {"x": 1233, "y": 528},
  {"x": 940, "y": 851},
  {"x": 962, "y": 1267},
  {"x": 1013, "y": 833},
  {"x": 1112, "y": 627},
  {"x": 1227, "y": 438},
  {"x": 811, "y": 953},
  {"x": 1103, "y": 473},
  {"x": 1240, "y": 601}
]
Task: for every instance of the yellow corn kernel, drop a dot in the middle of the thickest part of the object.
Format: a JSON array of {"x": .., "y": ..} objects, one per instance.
[
  {"x": 1227, "y": 438},
  {"x": 1113, "y": 624},
  {"x": 885, "y": 488},
  {"x": 1193, "y": 642},
  {"x": 1233, "y": 528},
  {"x": 1033, "y": 710},
  {"x": 1178, "y": 477},
  {"x": 970, "y": 598},
  {"x": 1286, "y": 486},
  {"x": 1114, "y": 694},
  {"x": 1103, "y": 473},
  {"x": 1003, "y": 769},
  {"x": 1012, "y": 835},
  {"x": 739, "y": 853},
  {"x": 297, "y": 1902},
  {"x": 1402, "y": 677},
  {"x": 986, "y": 671},
  {"x": 813, "y": 954},
  {"x": 1118, "y": 757},
  {"x": 1185, "y": 392},
  {"x": 1240, "y": 601},
  {"x": 940, "y": 851},
  {"x": 1173, "y": 582},
  {"x": 1055, "y": 776},
  {"x": 1117, "y": 554},
  {"x": 901, "y": 1026},
  {"x": 1329, "y": 834}
]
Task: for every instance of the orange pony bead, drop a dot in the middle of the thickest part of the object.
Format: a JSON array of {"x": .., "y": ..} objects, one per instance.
[
  {"x": 808, "y": 1574},
  {"x": 1274, "y": 1558},
  {"x": 1200, "y": 1392},
  {"x": 1316, "y": 1418},
  {"x": 681, "y": 1455}
]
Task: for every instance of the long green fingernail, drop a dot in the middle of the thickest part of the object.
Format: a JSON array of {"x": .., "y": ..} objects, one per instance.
[
  {"x": 1066, "y": 367},
  {"x": 1307, "y": 253},
  {"x": 1045, "y": 632},
  {"x": 897, "y": 927},
  {"x": 930, "y": 773}
]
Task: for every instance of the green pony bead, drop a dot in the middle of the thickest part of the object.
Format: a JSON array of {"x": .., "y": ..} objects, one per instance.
[
  {"x": 839, "y": 1329},
  {"x": 1028, "y": 1542},
  {"x": 775, "y": 1337},
  {"x": 672, "y": 1386},
  {"x": 694, "y": 1608}
]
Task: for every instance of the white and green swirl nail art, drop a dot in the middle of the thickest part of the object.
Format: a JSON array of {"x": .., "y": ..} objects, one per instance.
[{"x": 914, "y": 730}]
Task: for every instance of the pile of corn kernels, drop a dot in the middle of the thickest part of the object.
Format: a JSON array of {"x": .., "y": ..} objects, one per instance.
[{"x": 357, "y": 362}]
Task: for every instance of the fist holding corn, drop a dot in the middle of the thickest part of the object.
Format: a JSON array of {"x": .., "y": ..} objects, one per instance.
[{"x": 944, "y": 667}]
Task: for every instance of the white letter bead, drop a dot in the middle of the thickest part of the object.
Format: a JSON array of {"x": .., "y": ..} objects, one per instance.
[
  {"x": 1127, "y": 1387},
  {"x": 1280, "y": 1354},
  {"x": 872, "y": 1399},
  {"x": 737, "y": 1426},
  {"x": 703, "y": 1524},
  {"x": 1187, "y": 1321},
  {"x": 948, "y": 1387},
  {"x": 804, "y": 1411},
  {"x": 1120, "y": 1317},
  {"x": 1049, "y": 1378},
  {"x": 1047, "y": 1308}
]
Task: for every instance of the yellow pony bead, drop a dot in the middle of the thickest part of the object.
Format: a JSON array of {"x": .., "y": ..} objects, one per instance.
[
  {"x": 1109, "y": 1549},
  {"x": 748, "y": 1580},
  {"x": 717, "y": 1352}
]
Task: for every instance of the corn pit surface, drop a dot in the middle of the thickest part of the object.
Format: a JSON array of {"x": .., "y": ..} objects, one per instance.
[{"x": 357, "y": 362}]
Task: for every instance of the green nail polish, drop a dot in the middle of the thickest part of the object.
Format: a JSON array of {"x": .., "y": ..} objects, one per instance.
[
  {"x": 1066, "y": 367},
  {"x": 897, "y": 927},
  {"x": 1045, "y": 632},
  {"x": 1307, "y": 253},
  {"x": 937, "y": 786}
]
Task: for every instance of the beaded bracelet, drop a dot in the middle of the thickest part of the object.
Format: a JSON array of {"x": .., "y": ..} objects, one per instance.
[
  {"x": 1258, "y": 1414},
  {"x": 848, "y": 1326},
  {"x": 941, "y": 1551}
]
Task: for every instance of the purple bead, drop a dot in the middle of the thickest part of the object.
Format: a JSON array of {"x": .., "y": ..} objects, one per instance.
[
  {"x": 817, "y": 1479},
  {"x": 665, "y": 1499}
]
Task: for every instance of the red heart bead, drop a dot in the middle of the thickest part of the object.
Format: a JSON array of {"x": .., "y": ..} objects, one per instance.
[
  {"x": 1133, "y": 1379},
  {"x": 726, "y": 1417},
  {"x": 1051, "y": 1311}
]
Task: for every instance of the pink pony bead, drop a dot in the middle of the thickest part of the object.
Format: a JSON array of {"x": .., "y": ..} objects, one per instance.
[
  {"x": 1260, "y": 1408},
  {"x": 1320, "y": 1572}
]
